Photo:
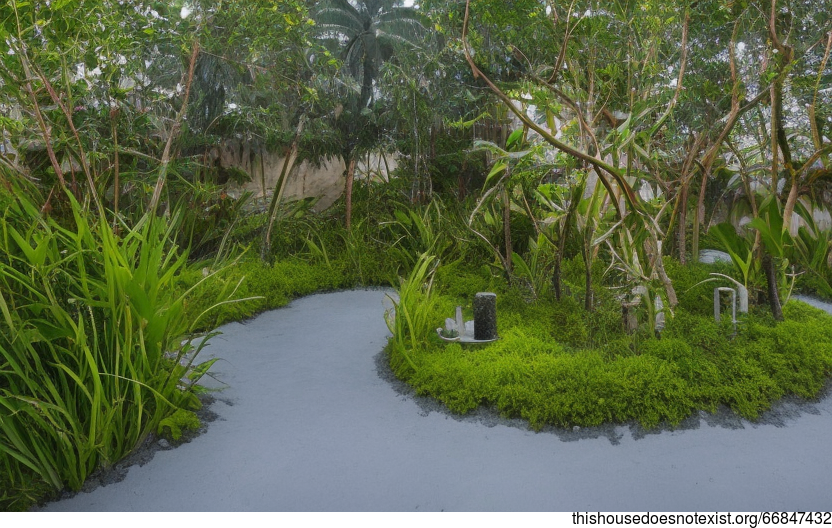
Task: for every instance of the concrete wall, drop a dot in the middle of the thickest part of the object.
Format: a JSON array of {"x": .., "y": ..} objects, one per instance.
[{"x": 325, "y": 181}]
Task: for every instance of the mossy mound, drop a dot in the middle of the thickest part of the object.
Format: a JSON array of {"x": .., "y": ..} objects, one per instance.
[{"x": 556, "y": 364}]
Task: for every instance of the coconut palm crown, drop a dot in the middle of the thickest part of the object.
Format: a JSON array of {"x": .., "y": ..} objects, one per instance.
[{"x": 365, "y": 33}]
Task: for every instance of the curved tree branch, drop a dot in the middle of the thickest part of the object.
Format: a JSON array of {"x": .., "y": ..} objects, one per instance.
[
  {"x": 600, "y": 166},
  {"x": 174, "y": 132}
]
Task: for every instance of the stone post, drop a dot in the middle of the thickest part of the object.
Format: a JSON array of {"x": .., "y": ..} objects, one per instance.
[
  {"x": 485, "y": 316},
  {"x": 717, "y": 292},
  {"x": 742, "y": 293}
]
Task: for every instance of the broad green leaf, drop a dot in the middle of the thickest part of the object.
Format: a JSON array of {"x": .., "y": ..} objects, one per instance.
[
  {"x": 498, "y": 167},
  {"x": 514, "y": 139},
  {"x": 200, "y": 370}
]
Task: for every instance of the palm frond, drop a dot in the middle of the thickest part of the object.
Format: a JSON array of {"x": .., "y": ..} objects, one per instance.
[
  {"x": 404, "y": 13},
  {"x": 392, "y": 39},
  {"x": 336, "y": 22},
  {"x": 337, "y": 10}
]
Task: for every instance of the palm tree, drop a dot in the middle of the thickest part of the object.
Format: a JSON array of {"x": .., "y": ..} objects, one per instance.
[{"x": 365, "y": 33}]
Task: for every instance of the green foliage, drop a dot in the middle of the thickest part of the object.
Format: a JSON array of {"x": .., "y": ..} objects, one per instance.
[
  {"x": 418, "y": 232},
  {"x": 259, "y": 286},
  {"x": 412, "y": 319},
  {"x": 536, "y": 271},
  {"x": 207, "y": 217},
  {"x": 180, "y": 421},
  {"x": 556, "y": 364},
  {"x": 98, "y": 314},
  {"x": 811, "y": 249},
  {"x": 769, "y": 223},
  {"x": 458, "y": 281},
  {"x": 739, "y": 248},
  {"x": 695, "y": 295},
  {"x": 94, "y": 340}
]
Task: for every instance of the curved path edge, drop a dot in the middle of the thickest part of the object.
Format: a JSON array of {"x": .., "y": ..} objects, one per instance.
[{"x": 312, "y": 420}]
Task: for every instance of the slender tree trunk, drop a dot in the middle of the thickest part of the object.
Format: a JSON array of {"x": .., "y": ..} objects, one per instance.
[
  {"x": 681, "y": 228},
  {"x": 45, "y": 129},
  {"x": 174, "y": 132},
  {"x": 788, "y": 210},
  {"x": 698, "y": 217},
  {"x": 651, "y": 247},
  {"x": 263, "y": 175},
  {"x": 588, "y": 303},
  {"x": 773, "y": 291},
  {"x": 700, "y": 210},
  {"x": 507, "y": 229},
  {"x": 280, "y": 186},
  {"x": 556, "y": 280},
  {"x": 556, "y": 283},
  {"x": 348, "y": 189},
  {"x": 778, "y": 131},
  {"x": 681, "y": 209}
]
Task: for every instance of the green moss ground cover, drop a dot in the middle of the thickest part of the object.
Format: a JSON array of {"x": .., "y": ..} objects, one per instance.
[
  {"x": 556, "y": 364},
  {"x": 266, "y": 286}
]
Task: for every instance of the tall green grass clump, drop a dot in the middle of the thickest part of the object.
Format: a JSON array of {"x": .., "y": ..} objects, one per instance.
[
  {"x": 93, "y": 347},
  {"x": 413, "y": 319}
]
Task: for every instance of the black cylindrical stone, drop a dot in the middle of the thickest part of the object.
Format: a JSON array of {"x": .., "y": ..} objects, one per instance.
[{"x": 485, "y": 316}]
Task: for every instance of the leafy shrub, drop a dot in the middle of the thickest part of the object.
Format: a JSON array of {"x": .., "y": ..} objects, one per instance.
[
  {"x": 412, "y": 320},
  {"x": 548, "y": 367},
  {"x": 695, "y": 295},
  {"x": 698, "y": 331},
  {"x": 93, "y": 341},
  {"x": 461, "y": 282}
]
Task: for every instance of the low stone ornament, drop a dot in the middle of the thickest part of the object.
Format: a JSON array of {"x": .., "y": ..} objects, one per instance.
[{"x": 483, "y": 329}]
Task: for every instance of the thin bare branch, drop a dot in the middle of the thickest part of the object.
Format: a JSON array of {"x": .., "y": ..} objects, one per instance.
[
  {"x": 601, "y": 167},
  {"x": 174, "y": 132},
  {"x": 818, "y": 141}
]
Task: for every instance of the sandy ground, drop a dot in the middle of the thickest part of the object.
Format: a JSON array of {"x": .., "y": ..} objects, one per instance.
[{"x": 312, "y": 420}]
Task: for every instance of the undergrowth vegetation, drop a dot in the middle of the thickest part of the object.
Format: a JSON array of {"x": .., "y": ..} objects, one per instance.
[
  {"x": 578, "y": 177},
  {"x": 556, "y": 364},
  {"x": 96, "y": 346},
  {"x": 101, "y": 329}
]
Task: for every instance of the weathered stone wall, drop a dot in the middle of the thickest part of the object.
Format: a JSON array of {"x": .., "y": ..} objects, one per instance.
[{"x": 324, "y": 181}]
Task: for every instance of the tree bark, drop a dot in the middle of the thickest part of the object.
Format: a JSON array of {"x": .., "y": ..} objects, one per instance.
[
  {"x": 348, "y": 189},
  {"x": 280, "y": 186},
  {"x": 773, "y": 291},
  {"x": 681, "y": 228},
  {"x": 588, "y": 304},
  {"x": 507, "y": 229},
  {"x": 651, "y": 247}
]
